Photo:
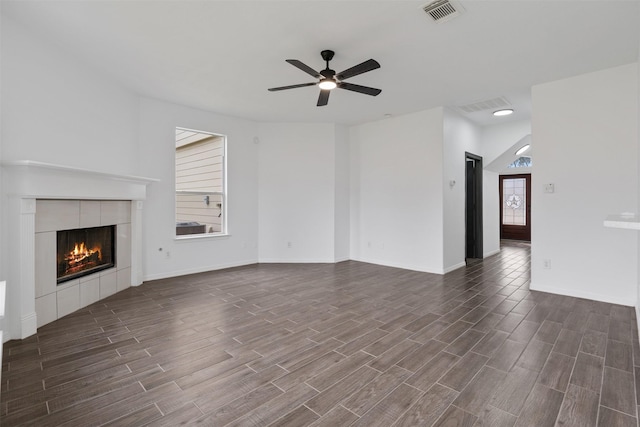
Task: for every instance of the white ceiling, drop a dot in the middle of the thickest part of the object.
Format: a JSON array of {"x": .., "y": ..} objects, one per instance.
[{"x": 222, "y": 56}]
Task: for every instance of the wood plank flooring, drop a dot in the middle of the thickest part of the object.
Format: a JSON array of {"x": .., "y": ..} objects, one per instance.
[{"x": 331, "y": 345}]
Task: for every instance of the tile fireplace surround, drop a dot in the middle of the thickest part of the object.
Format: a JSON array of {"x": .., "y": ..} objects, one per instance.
[
  {"x": 54, "y": 301},
  {"x": 43, "y": 198}
]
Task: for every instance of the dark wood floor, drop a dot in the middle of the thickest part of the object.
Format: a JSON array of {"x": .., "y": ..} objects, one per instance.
[{"x": 331, "y": 345}]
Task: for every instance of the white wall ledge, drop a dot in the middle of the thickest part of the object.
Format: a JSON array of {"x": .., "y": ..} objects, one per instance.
[{"x": 624, "y": 221}]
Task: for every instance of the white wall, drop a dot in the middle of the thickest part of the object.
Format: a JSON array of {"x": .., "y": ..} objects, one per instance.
[
  {"x": 460, "y": 136},
  {"x": 158, "y": 121},
  {"x": 496, "y": 139},
  {"x": 297, "y": 192},
  {"x": 490, "y": 214},
  {"x": 585, "y": 135},
  {"x": 638, "y": 285},
  {"x": 3, "y": 205},
  {"x": 56, "y": 109},
  {"x": 397, "y": 191},
  {"x": 342, "y": 191}
]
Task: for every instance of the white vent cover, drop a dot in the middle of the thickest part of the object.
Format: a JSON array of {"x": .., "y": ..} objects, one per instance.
[
  {"x": 443, "y": 10},
  {"x": 489, "y": 104}
]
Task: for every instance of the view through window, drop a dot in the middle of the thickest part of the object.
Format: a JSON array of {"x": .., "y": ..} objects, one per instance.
[
  {"x": 521, "y": 162},
  {"x": 200, "y": 183}
]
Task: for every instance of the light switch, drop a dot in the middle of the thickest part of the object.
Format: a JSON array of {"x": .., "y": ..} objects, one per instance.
[{"x": 549, "y": 188}]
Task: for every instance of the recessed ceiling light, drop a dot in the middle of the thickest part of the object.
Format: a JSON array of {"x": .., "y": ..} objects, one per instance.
[
  {"x": 504, "y": 112},
  {"x": 523, "y": 149}
]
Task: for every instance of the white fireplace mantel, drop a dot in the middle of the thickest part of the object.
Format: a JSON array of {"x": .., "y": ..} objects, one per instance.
[
  {"x": 25, "y": 181},
  {"x": 28, "y": 178}
]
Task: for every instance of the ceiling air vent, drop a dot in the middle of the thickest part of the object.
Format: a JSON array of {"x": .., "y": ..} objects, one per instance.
[
  {"x": 443, "y": 10},
  {"x": 489, "y": 104}
]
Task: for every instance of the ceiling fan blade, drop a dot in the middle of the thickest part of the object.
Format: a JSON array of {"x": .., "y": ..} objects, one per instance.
[
  {"x": 291, "y": 87},
  {"x": 369, "y": 65},
  {"x": 323, "y": 99},
  {"x": 304, "y": 67},
  {"x": 360, "y": 89}
]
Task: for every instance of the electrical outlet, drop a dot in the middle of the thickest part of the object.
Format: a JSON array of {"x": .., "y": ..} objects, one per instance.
[
  {"x": 547, "y": 264},
  {"x": 289, "y": 244},
  {"x": 167, "y": 254},
  {"x": 369, "y": 244}
]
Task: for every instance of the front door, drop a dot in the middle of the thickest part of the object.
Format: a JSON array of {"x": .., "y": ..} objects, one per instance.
[{"x": 515, "y": 207}]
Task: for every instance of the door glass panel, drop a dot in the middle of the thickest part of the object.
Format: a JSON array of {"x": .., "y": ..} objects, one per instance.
[{"x": 514, "y": 202}]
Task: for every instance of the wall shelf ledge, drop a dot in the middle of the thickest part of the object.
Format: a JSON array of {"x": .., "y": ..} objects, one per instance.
[{"x": 628, "y": 221}]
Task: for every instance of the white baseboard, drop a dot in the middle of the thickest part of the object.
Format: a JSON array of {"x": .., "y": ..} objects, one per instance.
[
  {"x": 168, "y": 274},
  {"x": 580, "y": 294},
  {"x": 455, "y": 267},
  {"x": 28, "y": 325},
  {"x": 296, "y": 261},
  {"x": 486, "y": 255},
  {"x": 638, "y": 320},
  {"x": 411, "y": 267}
]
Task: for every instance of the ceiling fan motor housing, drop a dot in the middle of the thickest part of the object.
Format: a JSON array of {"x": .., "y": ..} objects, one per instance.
[
  {"x": 327, "y": 55},
  {"x": 327, "y": 73}
]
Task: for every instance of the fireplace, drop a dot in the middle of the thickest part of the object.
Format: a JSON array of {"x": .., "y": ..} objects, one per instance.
[
  {"x": 66, "y": 198},
  {"x": 84, "y": 251}
]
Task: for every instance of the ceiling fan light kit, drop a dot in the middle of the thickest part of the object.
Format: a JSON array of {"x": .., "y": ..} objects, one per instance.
[
  {"x": 329, "y": 79},
  {"x": 327, "y": 84}
]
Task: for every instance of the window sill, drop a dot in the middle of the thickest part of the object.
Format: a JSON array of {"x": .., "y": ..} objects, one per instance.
[{"x": 187, "y": 237}]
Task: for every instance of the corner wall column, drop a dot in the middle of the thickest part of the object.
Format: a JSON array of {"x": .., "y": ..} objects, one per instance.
[
  {"x": 136, "y": 242},
  {"x": 26, "y": 282}
]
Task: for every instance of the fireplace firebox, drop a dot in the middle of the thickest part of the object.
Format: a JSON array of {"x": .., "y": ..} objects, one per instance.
[{"x": 84, "y": 251}]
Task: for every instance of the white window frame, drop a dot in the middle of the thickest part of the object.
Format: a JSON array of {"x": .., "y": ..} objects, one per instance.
[{"x": 223, "y": 195}]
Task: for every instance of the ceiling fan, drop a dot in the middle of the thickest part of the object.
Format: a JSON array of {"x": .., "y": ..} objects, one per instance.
[{"x": 330, "y": 80}]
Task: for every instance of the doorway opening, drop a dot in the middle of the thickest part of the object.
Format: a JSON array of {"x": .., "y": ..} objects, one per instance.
[
  {"x": 515, "y": 207},
  {"x": 473, "y": 207}
]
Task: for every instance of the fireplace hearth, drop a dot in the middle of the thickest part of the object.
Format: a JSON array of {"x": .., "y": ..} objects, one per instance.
[{"x": 84, "y": 251}]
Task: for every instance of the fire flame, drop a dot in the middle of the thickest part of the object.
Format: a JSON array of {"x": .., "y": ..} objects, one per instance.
[{"x": 80, "y": 252}]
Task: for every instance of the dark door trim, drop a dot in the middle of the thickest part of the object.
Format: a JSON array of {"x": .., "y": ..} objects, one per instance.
[
  {"x": 517, "y": 232},
  {"x": 473, "y": 206}
]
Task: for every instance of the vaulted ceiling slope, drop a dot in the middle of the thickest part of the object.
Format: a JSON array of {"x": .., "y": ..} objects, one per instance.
[{"x": 222, "y": 56}]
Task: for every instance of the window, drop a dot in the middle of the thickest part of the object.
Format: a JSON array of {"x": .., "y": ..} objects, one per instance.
[
  {"x": 521, "y": 162},
  {"x": 200, "y": 183}
]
